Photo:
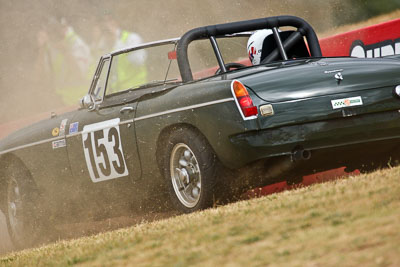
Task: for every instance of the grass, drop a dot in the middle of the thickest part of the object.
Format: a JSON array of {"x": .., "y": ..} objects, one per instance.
[{"x": 348, "y": 222}]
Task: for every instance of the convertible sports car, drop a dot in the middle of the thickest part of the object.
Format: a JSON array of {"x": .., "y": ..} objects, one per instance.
[{"x": 189, "y": 121}]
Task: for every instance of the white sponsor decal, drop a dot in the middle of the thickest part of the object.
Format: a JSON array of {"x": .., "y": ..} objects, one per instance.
[
  {"x": 62, "y": 126},
  {"x": 58, "y": 143},
  {"x": 381, "y": 49},
  {"x": 103, "y": 150},
  {"x": 332, "y": 71},
  {"x": 346, "y": 102}
]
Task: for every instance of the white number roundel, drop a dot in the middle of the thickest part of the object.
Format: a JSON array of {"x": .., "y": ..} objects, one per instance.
[{"x": 103, "y": 150}]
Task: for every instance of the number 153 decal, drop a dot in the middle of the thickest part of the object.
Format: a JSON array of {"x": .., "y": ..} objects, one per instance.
[{"x": 103, "y": 150}]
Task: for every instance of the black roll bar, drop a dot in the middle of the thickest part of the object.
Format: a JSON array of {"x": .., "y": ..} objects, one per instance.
[
  {"x": 287, "y": 45},
  {"x": 279, "y": 43},
  {"x": 217, "y": 53},
  {"x": 242, "y": 26}
]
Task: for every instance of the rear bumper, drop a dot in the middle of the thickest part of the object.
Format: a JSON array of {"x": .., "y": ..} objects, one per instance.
[{"x": 334, "y": 133}]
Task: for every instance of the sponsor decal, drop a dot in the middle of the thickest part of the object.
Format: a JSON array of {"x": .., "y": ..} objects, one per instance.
[
  {"x": 381, "y": 49},
  {"x": 332, "y": 71},
  {"x": 319, "y": 63},
  {"x": 62, "y": 126},
  {"x": 338, "y": 76},
  {"x": 102, "y": 147},
  {"x": 55, "y": 132},
  {"x": 347, "y": 102},
  {"x": 59, "y": 143},
  {"x": 73, "y": 127},
  {"x": 252, "y": 52}
]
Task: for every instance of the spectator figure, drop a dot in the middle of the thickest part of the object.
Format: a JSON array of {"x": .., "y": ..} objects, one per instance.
[
  {"x": 71, "y": 65},
  {"x": 63, "y": 61},
  {"x": 127, "y": 70},
  {"x": 78, "y": 49},
  {"x": 43, "y": 76},
  {"x": 101, "y": 43},
  {"x": 43, "y": 66}
]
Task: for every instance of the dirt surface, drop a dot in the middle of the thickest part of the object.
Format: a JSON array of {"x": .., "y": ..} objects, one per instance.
[
  {"x": 348, "y": 222},
  {"x": 77, "y": 230},
  {"x": 5, "y": 243},
  {"x": 69, "y": 231}
]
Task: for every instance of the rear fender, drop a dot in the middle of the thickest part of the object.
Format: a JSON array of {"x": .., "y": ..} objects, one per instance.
[{"x": 210, "y": 109}]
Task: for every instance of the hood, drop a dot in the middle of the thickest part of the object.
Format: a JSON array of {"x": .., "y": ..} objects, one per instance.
[{"x": 299, "y": 79}]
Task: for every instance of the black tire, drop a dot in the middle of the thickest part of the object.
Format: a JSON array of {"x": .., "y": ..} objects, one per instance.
[
  {"x": 21, "y": 209},
  {"x": 190, "y": 187}
]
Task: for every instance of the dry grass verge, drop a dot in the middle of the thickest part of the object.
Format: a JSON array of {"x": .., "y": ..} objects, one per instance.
[{"x": 348, "y": 222}]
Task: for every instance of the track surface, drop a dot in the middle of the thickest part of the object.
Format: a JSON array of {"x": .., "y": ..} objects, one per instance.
[{"x": 5, "y": 244}]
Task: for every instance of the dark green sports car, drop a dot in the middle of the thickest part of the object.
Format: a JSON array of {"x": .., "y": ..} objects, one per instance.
[{"x": 188, "y": 122}]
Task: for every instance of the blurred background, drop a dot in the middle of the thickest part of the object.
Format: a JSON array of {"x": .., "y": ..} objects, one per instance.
[{"x": 50, "y": 45}]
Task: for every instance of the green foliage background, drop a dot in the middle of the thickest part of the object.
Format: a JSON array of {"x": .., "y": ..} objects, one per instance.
[{"x": 349, "y": 11}]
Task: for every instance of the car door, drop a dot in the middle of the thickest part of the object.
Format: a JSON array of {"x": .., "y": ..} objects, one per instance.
[{"x": 101, "y": 144}]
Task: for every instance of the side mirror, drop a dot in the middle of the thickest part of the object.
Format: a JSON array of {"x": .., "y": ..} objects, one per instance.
[{"x": 88, "y": 102}]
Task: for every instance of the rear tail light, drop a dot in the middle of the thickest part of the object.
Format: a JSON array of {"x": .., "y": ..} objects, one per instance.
[{"x": 243, "y": 101}]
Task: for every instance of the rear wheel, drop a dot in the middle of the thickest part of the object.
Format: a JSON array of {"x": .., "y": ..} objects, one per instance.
[
  {"x": 21, "y": 209},
  {"x": 190, "y": 170}
]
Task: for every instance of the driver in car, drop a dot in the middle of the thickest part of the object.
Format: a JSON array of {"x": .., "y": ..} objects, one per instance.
[
  {"x": 255, "y": 46},
  {"x": 261, "y": 43}
]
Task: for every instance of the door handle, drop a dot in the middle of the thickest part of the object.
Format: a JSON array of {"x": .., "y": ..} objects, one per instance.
[{"x": 126, "y": 110}]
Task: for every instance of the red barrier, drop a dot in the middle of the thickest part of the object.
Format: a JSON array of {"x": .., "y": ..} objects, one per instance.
[
  {"x": 374, "y": 41},
  {"x": 307, "y": 180}
]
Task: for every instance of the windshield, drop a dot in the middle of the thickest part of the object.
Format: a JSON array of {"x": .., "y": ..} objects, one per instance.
[
  {"x": 136, "y": 69},
  {"x": 157, "y": 64}
]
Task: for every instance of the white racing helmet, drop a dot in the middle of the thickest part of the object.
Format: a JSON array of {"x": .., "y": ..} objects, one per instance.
[{"x": 255, "y": 44}]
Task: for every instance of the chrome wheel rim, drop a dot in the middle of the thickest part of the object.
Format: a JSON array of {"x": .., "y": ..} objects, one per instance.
[
  {"x": 185, "y": 175},
  {"x": 14, "y": 206}
]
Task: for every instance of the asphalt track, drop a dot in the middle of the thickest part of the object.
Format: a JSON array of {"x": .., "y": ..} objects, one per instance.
[{"x": 5, "y": 244}]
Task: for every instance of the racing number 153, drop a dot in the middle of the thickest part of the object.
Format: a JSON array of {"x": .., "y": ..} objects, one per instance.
[{"x": 103, "y": 152}]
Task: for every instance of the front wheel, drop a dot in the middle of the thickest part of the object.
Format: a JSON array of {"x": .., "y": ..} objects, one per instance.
[
  {"x": 21, "y": 209},
  {"x": 190, "y": 170}
]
